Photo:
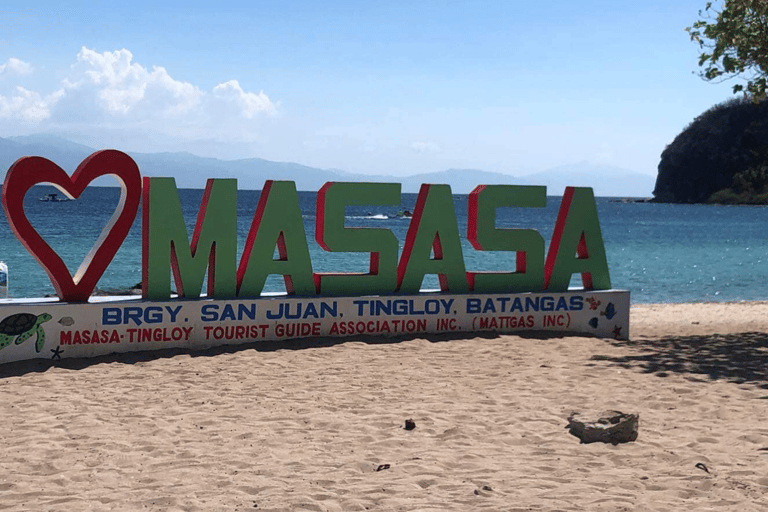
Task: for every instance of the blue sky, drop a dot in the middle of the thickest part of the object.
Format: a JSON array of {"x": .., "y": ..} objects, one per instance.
[{"x": 374, "y": 87}]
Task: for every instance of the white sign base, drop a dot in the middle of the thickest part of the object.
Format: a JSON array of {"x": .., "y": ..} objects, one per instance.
[{"x": 41, "y": 328}]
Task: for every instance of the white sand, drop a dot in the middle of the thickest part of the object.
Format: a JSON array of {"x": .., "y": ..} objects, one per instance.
[{"x": 307, "y": 428}]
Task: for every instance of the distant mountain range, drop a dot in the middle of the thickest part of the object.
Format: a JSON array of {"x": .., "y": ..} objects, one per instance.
[{"x": 191, "y": 171}]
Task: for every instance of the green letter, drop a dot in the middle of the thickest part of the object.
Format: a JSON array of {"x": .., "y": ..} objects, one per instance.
[
  {"x": 331, "y": 235},
  {"x": 577, "y": 244},
  {"x": 166, "y": 245},
  {"x": 277, "y": 222},
  {"x": 528, "y": 243},
  {"x": 433, "y": 227}
]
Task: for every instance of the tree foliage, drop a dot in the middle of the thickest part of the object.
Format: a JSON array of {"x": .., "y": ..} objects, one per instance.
[{"x": 734, "y": 43}]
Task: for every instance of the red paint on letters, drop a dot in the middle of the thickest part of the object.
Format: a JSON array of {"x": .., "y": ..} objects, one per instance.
[
  {"x": 29, "y": 171},
  {"x": 557, "y": 235},
  {"x": 410, "y": 237}
]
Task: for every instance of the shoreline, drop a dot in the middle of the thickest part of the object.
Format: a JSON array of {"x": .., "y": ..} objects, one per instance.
[
  {"x": 676, "y": 319},
  {"x": 321, "y": 427}
]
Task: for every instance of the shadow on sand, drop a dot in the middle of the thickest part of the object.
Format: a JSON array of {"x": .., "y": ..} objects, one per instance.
[
  {"x": 18, "y": 368},
  {"x": 739, "y": 358}
]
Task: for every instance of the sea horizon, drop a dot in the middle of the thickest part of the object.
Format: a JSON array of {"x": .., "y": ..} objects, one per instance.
[{"x": 661, "y": 253}]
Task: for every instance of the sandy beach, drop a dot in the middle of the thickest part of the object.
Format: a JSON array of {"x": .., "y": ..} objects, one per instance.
[{"x": 318, "y": 426}]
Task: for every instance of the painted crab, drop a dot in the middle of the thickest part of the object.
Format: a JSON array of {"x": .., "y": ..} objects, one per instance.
[{"x": 22, "y": 326}]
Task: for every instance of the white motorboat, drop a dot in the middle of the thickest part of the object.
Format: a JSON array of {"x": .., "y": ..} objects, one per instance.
[{"x": 53, "y": 198}]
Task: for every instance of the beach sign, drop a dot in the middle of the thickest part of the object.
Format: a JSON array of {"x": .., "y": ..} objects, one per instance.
[{"x": 385, "y": 301}]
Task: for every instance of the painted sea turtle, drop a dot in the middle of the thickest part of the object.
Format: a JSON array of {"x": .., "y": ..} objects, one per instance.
[{"x": 22, "y": 326}]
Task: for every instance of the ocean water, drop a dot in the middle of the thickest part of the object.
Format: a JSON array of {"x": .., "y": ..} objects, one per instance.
[{"x": 660, "y": 252}]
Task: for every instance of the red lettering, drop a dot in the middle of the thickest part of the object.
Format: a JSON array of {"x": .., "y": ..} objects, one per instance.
[
  {"x": 65, "y": 338},
  {"x": 446, "y": 324},
  {"x": 298, "y": 329}
]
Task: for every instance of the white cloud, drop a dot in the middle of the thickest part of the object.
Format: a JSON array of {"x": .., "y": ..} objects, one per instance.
[
  {"x": 15, "y": 66},
  {"x": 111, "y": 90},
  {"x": 123, "y": 88},
  {"x": 27, "y": 106},
  {"x": 425, "y": 147},
  {"x": 248, "y": 104}
]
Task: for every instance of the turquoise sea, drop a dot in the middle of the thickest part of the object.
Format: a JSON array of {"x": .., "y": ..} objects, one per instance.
[{"x": 660, "y": 252}]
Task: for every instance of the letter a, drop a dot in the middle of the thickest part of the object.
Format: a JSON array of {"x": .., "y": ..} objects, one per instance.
[
  {"x": 577, "y": 244},
  {"x": 276, "y": 222},
  {"x": 432, "y": 228}
]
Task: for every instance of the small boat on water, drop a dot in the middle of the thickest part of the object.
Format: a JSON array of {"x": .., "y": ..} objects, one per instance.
[{"x": 54, "y": 198}]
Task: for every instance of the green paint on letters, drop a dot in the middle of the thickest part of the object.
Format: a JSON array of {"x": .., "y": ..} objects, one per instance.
[
  {"x": 577, "y": 244},
  {"x": 528, "y": 243},
  {"x": 433, "y": 226},
  {"x": 277, "y": 223},
  {"x": 333, "y": 236},
  {"x": 214, "y": 242}
]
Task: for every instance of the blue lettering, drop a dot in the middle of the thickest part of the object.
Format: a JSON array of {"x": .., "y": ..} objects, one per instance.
[
  {"x": 132, "y": 313},
  {"x": 295, "y": 315},
  {"x": 153, "y": 315},
  {"x": 360, "y": 304},
  {"x": 532, "y": 304},
  {"x": 249, "y": 311},
  {"x": 383, "y": 307},
  {"x": 209, "y": 313},
  {"x": 228, "y": 313},
  {"x": 411, "y": 309},
  {"x": 473, "y": 306},
  {"x": 310, "y": 310},
  {"x": 330, "y": 310},
  {"x": 173, "y": 313},
  {"x": 489, "y": 306},
  {"x": 111, "y": 316},
  {"x": 275, "y": 316},
  {"x": 577, "y": 303}
]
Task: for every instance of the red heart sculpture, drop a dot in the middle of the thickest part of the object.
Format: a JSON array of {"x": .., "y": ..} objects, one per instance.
[{"x": 29, "y": 171}]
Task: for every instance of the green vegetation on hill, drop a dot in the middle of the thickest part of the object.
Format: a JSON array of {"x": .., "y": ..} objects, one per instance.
[{"x": 721, "y": 157}]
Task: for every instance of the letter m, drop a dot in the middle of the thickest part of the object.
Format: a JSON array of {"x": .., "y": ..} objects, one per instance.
[{"x": 166, "y": 246}]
